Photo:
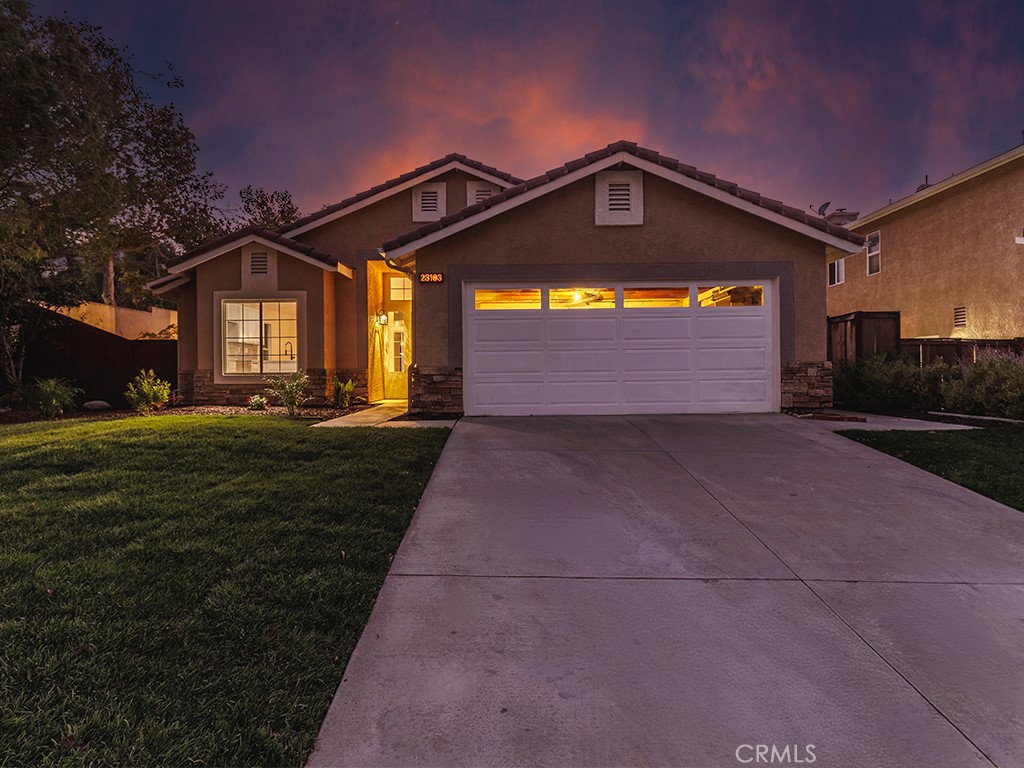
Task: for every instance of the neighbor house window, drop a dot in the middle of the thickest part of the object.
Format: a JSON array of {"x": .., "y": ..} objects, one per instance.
[
  {"x": 260, "y": 337},
  {"x": 837, "y": 272},
  {"x": 730, "y": 296},
  {"x": 400, "y": 288},
  {"x": 874, "y": 248}
]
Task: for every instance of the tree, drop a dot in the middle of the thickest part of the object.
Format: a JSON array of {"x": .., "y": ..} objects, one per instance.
[
  {"x": 90, "y": 168},
  {"x": 269, "y": 210}
]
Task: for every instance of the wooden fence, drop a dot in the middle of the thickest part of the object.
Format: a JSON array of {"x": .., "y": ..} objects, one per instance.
[
  {"x": 98, "y": 362},
  {"x": 858, "y": 335}
]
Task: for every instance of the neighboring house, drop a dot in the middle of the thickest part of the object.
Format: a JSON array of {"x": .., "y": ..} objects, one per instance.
[
  {"x": 621, "y": 282},
  {"x": 946, "y": 257},
  {"x": 124, "y": 322}
]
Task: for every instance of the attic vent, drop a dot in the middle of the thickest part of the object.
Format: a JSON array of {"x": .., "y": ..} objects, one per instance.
[
  {"x": 960, "y": 317},
  {"x": 478, "y": 191},
  {"x": 619, "y": 199},
  {"x": 428, "y": 202},
  {"x": 259, "y": 264}
]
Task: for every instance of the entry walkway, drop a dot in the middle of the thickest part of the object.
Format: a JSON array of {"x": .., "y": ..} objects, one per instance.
[{"x": 664, "y": 590}]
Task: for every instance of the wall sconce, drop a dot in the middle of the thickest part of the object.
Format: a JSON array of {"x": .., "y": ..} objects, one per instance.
[{"x": 382, "y": 317}]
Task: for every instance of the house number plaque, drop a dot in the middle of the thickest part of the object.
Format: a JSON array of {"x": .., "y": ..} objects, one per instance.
[{"x": 431, "y": 277}]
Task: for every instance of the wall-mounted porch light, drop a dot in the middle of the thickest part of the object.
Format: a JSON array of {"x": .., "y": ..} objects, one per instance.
[{"x": 382, "y": 317}]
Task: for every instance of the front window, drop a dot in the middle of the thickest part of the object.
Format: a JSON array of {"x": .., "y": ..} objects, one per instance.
[
  {"x": 260, "y": 337},
  {"x": 874, "y": 248}
]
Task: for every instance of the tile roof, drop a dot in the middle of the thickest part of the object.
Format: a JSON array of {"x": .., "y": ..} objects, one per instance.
[
  {"x": 431, "y": 166},
  {"x": 644, "y": 154},
  {"x": 266, "y": 234}
]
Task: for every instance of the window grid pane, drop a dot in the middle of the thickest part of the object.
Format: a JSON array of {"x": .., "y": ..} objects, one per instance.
[
  {"x": 649, "y": 298},
  {"x": 260, "y": 337},
  {"x": 581, "y": 298},
  {"x": 731, "y": 296}
]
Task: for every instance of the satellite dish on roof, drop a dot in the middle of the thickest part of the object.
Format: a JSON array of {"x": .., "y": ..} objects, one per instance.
[{"x": 820, "y": 210}]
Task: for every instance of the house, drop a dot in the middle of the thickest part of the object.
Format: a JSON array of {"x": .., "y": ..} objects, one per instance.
[
  {"x": 621, "y": 282},
  {"x": 946, "y": 257}
]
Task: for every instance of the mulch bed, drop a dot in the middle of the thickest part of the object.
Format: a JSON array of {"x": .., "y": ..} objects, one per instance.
[{"x": 311, "y": 413}]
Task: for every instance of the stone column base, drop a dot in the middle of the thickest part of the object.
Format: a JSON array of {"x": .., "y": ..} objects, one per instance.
[
  {"x": 807, "y": 386},
  {"x": 435, "y": 390}
]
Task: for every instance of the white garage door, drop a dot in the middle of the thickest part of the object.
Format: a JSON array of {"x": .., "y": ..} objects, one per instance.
[{"x": 620, "y": 347}]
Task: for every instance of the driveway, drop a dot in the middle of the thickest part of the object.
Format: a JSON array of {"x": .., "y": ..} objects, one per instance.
[{"x": 678, "y": 590}]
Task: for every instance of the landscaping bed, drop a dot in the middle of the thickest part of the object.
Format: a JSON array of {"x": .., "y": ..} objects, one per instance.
[{"x": 187, "y": 590}]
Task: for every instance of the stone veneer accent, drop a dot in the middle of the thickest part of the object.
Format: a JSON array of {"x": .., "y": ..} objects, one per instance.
[
  {"x": 435, "y": 390},
  {"x": 807, "y": 386},
  {"x": 199, "y": 388}
]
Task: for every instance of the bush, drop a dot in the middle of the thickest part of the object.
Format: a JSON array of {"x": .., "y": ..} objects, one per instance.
[
  {"x": 51, "y": 397},
  {"x": 993, "y": 385},
  {"x": 890, "y": 384},
  {"x": 146, "y": 392},
  {"x": 256, "y": 403},
  {"x": 290, "y": 390},
  {"x": 343, "y": 397}
]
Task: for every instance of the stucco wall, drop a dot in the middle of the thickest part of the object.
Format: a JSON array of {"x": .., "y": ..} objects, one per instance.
[
  {"x": 684, "y": 234},
  {"x": 955, "y": 249}
]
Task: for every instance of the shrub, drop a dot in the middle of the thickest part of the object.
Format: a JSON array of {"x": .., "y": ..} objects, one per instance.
[
  {"x": 146, "y": 392},
  {"x": 290, "y": 390},
  {"x": 343, "y": 397},
  {"x": 256, "y": 403},
  {"x": 993, "y": 385},
  {"x": 51, "y": 397},
  {"x": 889, "y": 384}
]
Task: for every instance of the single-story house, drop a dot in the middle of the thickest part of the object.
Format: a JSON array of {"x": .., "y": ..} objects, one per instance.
[
  {"x": 944, "y": 257},
  {"x": 621, "y": 282}
]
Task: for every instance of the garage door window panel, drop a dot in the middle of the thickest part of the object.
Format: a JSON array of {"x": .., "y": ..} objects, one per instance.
[
  {"x": 655, "y": 298},
  {"x": 581, "y": 298},
  {"x": 730, "y": 295},
  {"x": 489, "y": 299}
]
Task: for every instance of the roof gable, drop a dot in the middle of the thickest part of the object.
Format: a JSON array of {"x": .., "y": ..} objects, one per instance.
[
  {"x": 647, "y": 160},
  {"x": 265, "y": 237},
  {"x": 398, "y": 184}
]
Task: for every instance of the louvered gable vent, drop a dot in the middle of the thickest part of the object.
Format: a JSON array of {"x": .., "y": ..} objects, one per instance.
[
  {"x": 428, "y": 202},
  {"x": 619, "y": 198},
  {"x": 259, "y": 264},
  {"x": 478, "y": 191}
]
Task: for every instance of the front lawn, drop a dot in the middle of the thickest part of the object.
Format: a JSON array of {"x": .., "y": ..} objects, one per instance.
[
  {"x": 187, "y": 591},
  {"x": 989, "y": 461}
]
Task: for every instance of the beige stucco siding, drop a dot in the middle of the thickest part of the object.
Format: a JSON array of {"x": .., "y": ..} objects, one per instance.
[
  {"x": 221, "y": 274},
  {"x": 684, "y": 234},
  {"x": 955, "y": 249}
]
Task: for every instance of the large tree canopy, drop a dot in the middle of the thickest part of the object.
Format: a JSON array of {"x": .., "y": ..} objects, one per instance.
[{"x": 90, "y": 168}]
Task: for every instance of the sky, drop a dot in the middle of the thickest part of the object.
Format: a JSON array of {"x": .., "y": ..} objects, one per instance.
[{"x": 806, "y": 102}]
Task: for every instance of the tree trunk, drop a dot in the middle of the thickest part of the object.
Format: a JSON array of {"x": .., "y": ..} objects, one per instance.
[{"x": 109, "y": 294}]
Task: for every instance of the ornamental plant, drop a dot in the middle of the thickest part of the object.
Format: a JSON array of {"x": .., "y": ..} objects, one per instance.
[
  {"x": 146, "y": 392},
  {"x": 256, "y": 403},
  {"x": 51, "y": 397},
  {"x": 290, "y": 389}
]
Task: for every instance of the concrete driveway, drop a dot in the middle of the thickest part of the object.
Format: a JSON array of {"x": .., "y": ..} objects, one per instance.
[{"x": 688, "y": 591}]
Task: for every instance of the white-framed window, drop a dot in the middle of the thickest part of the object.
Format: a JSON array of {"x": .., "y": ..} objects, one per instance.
[
  {"x": 260, "y": 337},
  {"x": 874, "y": 251},
  {"x": 478, "y": 191},
  {"x": 428, "y": 201},
  {"x": 618, "y": 198},
  {"x": 400, "y": 288},
  {"x": 837, "y": 272}
]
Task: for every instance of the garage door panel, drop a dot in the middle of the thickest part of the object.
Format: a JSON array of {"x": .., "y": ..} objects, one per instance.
[
  {"x": 582, "y": 361},
  {"x": 584, "y": 329},
  {"x": 652, "y": 359},
  {"x": 732, "y": 358},
  {"x": 505, "y": 329},
  {"x": 511, "y": 361},
  {"x": 718, "y": 326},
  {"x": 657, "y": 360},
  {"x": 655, "y": 328}
]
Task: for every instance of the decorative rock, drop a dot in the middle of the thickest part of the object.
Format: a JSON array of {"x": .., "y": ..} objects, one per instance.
[{"x": 96, "y": 405}]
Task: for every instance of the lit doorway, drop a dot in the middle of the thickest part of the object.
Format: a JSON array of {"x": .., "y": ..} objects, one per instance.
[{"x": 389, "y": 301}]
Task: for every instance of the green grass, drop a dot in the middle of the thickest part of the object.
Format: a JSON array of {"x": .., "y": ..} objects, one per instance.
[
  {"x": 989, "y": 461},
  {"x": 187, "y": 590}
]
